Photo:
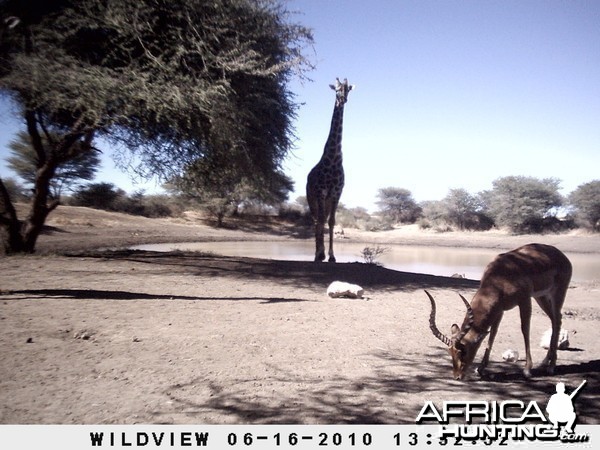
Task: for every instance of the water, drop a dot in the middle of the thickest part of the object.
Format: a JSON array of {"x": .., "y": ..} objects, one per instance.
[{"x": 440, "y": 261}]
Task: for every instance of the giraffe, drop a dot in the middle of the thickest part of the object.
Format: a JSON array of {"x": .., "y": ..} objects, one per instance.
[{"x": 326, "y": 180}]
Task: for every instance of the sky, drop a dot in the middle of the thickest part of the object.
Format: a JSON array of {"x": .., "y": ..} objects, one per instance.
[{"x": 448, "y": 94}]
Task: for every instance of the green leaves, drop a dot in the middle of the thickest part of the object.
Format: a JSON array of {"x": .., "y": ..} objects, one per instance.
[
  {"x": 522, "y": 203},
  {"x": 586, "y": 202},
  {"x": 168, "y": 82},
  {"x": 157, "y": 75}
]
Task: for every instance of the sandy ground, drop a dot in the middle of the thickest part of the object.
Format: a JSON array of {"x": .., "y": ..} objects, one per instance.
[{"x": 95, "y": 336}]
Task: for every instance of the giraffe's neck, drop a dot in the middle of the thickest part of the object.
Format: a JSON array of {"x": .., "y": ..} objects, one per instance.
[{"x": 333, "y": 147}]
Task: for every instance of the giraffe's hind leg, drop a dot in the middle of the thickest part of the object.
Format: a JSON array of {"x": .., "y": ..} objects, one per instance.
[{"x": 320, "y": 244}]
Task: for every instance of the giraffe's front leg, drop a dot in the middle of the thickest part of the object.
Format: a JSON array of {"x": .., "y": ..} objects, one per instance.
[
  {"x": 319, "y": 232},
  {"x": 319, "y": 239},
  {"x": 331, "y": 227}
]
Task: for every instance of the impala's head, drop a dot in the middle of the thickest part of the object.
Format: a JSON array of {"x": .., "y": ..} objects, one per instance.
[
  {"x": 461, "y": 350},
  {"x": 342, "y": 89}
]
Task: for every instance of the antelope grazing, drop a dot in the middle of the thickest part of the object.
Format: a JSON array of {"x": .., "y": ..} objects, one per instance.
[{"x": 511, "y": 279}]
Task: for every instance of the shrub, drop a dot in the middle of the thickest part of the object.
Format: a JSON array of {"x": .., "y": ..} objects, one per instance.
[{"x": 371, "y": 254}]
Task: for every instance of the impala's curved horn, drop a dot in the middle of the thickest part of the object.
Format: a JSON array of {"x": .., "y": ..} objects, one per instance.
[
  {"x": 469, "y": 322},
  {"x": 12, "y": 21},
  {"x": 434, "y": 329}
]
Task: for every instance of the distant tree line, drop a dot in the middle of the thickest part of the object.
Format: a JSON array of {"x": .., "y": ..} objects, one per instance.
[
  {"x": 220, "y": 196},
  {"x": 520, "y": 204}
]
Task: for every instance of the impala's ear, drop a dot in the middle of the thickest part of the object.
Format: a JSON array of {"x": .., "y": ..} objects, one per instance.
[{"x": 454, "y": 331}]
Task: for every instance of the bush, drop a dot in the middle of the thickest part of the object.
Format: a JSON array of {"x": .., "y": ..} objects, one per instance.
[
  {"x": 295, "y": 214},
  {"x": 108, "y": 197},
  {"x": 465, "y": 211},
  {"x": 371, "y": 254},
  {"x": 523, "y": 204},
  {"x": 585, "y": 200},
  {"x": 98, "y": 195},
  {"x": 375, "y": 223},
  {"x": 16, "y": 191},
  {"x": 160, "y": 206},
  {"x": 398, "y": 205}
]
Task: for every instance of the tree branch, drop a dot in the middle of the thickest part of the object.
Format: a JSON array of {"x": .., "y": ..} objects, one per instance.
[{"x": 36, "y": 139}]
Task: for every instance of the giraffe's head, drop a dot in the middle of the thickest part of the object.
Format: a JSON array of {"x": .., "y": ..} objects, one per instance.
[{"x": 341, "y": 91}]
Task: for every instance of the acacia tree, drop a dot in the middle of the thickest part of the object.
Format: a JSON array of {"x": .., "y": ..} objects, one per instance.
[
  {"x": 398, "y": 205},
  {"x": 523, "y": 203},
  {"x": 221, "y": 192},
  {"x": 166, "y": 82},
  {"x": 465, "y": 211},
  {"x": 82, "y": 166},
  {"x": 586, "y": 201}
]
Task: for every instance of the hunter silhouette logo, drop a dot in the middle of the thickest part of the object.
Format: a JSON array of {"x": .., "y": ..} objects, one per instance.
[{"x": 560, "y": 407}]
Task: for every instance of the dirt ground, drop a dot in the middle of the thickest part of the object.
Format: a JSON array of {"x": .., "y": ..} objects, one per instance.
[{"x": 90, "y": 335}]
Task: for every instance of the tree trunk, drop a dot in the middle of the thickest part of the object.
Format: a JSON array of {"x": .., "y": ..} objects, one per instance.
[
  {"x": 11, "y": 240},
  {"x": 20, "y": 237},
  {"x": 17, "y": 237},
  {"x": 40, "y": 208}
]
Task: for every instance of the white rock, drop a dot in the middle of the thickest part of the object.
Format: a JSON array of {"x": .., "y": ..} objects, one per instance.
[
  {"x": 341, "y": 289},
  {"x": 510, "y": 355},
  {"x": 563, "y": 339},
  {"x": 338, "y": 232}
]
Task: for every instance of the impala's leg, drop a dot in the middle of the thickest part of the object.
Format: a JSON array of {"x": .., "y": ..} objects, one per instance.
[
  {"x": 545, "y": 303},
  {"x": 525, "y": 311},
  {"x": 556, "y": 302},
  {"x": 559, "y": 299},
  {"x": 552, "y": 305},
  {"x": 488, "y": 349},
  {"x": 331, "y": 227}
]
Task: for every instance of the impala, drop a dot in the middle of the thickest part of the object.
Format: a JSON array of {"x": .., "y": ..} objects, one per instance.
[{"x": 511, "y": 279}]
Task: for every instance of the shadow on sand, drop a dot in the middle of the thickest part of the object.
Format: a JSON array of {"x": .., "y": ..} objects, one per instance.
[
  {"x": 295, "y": 273},
  {"x": 376, "y": 399},
  {"x": 89, "y": 294}
]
